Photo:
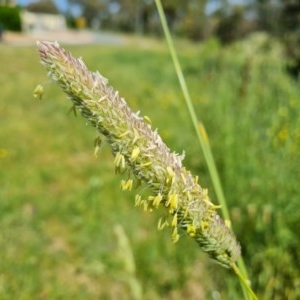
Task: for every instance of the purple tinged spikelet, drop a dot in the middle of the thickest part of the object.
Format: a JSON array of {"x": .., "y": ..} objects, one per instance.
[{"x": 138, "y": 148}]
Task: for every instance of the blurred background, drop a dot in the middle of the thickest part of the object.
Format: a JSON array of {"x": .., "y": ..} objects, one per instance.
[{"x": 67, "y": 231}]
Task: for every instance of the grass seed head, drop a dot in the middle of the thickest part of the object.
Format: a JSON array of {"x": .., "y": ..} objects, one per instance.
[{"x": 138, "y": 148}]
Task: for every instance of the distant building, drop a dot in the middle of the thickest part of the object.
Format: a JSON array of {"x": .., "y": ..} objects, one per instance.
[
  {"x": 32, "y": 21},
  {"x": 7, "y": 3},
  {"x": 42, "y": 16}
]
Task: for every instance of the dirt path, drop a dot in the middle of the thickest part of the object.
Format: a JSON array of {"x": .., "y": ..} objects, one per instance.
[{"x": 65, "y": 37}]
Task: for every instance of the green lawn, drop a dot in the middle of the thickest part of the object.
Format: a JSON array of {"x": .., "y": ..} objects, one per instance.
[{"x": 67, "y": 231}]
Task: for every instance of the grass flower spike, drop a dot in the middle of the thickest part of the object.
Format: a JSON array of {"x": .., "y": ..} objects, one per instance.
[{"x": 140, "y": 153}]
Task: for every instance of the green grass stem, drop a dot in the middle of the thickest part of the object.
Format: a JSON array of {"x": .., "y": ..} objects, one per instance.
[{"x": 204, "y": 143}]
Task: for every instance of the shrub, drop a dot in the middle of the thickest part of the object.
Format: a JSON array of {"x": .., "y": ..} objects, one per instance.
[{"x": 10, "y": 18}]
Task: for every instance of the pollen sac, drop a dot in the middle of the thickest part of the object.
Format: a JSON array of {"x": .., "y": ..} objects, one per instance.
[
  {"x": 120, "y": 163},
  {"x": 174, "y": 220},
  {"x": 138, "y": 200},
  {"x": 157, "y": 200},
  {"x": 135, "y": 153},
  {"x": 38, "y": 92},
  {"x": 126, "y": 185},
  {"x": 175, "y": 235},
  {"x": 97, "y": 145},
  {"x": 147, "y": 120},
  {"x": 162, "y": 223}
]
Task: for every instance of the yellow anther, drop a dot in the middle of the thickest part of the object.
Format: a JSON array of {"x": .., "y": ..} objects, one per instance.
[
  {"x": 145, "y": 205},
  {"x": 157, "y": 199},
  {"x": 191, "y": 230},
  {"x": 126, "y": 184},
  {"x": 174, "y": 220},
  {"x": 136, "y": 136},
  {"x": 172, "y": 200},
  {"x": 170, "y": 176},
  {"x": 123, "y": 134},
  {"x": 204, "y": 225},
  {"x": 147, "y": 120},
  {"x": 138, "y": 200},
  {"x": 175, "y": 235},
  {"x": 146, "y": 164},
  {"x": 119, "y": 162},
  {"x": 38, "y": 92},
  {"x": 183, "y": 178},
  {"x": 135, "y": 153},
  {"x": 162, "y": 223}
]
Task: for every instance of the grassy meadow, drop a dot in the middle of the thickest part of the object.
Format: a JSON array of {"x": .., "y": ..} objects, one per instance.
[{"x": 67, "y": 231}]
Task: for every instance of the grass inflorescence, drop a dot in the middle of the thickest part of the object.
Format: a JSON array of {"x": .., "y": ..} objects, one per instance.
[{"x": 140, "y": 151}]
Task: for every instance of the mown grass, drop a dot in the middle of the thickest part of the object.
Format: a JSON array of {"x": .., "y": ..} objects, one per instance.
[{"x": 61, "y": 208}]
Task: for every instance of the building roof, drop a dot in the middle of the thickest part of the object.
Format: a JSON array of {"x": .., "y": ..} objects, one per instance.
[{"x": 46, "y": 7}]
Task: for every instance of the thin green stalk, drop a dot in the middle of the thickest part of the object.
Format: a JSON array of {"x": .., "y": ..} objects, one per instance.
[
  {"x": 244, "y": 282},
  {"x": 198, "y": 126},
  {"x": 205, "y": 146}
]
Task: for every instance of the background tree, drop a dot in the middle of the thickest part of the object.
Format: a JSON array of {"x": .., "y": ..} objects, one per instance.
[
  {"x": 46, "y": 6},
  {"x": 290, "y": 33},
  {"x": 268, "y": 15},
  {"x": 234, "y": 25}
]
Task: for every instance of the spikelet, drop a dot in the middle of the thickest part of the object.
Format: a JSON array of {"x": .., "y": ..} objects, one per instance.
[{"x": 138, "y": 148}]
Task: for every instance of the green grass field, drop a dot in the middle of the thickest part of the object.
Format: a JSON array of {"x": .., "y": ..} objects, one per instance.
[{"x": 67, "y": 231}]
